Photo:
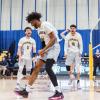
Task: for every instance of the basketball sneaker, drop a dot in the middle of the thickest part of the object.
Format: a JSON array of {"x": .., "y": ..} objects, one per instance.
[
  {"x": 23, "y": 93},
  {"x": 57, "y": 96},
  {"x": 78, "y": 84}
]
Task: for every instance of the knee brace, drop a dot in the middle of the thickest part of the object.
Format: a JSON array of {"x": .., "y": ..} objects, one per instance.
[
  {"x": 49, "y": 63},
  {"x": 52, "y": 76},
  {"x": 68, "y": 68}
]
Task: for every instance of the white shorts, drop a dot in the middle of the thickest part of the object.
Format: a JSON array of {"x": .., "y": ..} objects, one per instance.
[
  {"x": 53, "y": 53},
  {"x": 25, "y": 62},
  {"x": 73, "y": 59}
]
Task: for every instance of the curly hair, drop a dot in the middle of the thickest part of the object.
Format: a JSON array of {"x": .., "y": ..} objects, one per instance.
[{"x": 32, "y": 16}]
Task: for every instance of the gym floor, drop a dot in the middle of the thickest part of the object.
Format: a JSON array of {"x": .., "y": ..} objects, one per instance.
[{"x": 42, "y": 89}]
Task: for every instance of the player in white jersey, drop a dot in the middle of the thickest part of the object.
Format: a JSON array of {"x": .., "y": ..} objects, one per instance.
[
  {"x": 49, "y": 53},
  {"x": 71, "y": 66},
  {"x": 73, "y": 49},
  {"x": 26, "y": 48}
]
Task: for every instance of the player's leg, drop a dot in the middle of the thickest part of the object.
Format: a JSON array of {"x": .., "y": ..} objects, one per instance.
[
  {"x": 70, "y": 70},
  {"x": 58, "y": 94},
  {"x": 32, "y": 78},
  {"x": 94, "y": 71},
  {"x": 19, "y": 74},
  {"x": 4, "y": 70},
  {"x": 28, "y": 67},
  {"x": 69, "y": 66},
  {"x": 78, "y": 64},
  {"x": 51, "y": 59},
  {"x": 78, "y": 76},
  {"x": 35, "y": 72}
]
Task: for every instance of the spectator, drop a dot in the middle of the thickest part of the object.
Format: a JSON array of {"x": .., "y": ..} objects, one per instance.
[
  {"x": 96, "y": 62},
  {"x": 16, "y": 61},
  {"x": 3, "y": 65},
  {"x": 10, "y": 62}
]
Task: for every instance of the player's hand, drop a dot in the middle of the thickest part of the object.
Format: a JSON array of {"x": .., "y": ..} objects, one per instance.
[
  {"x": 65, "y": 56},
  {"x": 67, "y": 30},
  {"x": 79, "y": 55},
  {"x": 20, "y": 58},
  {"x": 33, "y": 58},
  {"x": 41, "y": 52},
  {"x": 62, "y": 33}
]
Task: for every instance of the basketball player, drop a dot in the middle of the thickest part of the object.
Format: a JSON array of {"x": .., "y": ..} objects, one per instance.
[
  {"x": 73, "y": 49},
  {"x": 49, "y": 54},
  {"x": 71, "y": 66},
  {"x": 26, "y": 47}
]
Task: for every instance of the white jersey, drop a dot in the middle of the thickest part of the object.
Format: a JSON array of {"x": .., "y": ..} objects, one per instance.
[
  {"x": 28, "y": 47},
  {"x": 73, "y": 43},
  {"x": 44, "y": 31}
]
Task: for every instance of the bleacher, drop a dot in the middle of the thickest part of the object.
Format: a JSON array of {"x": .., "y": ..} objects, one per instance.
[{"x": 59, "y": 68}]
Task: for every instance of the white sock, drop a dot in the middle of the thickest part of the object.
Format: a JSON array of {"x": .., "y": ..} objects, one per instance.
[
  {"x": 57, "y": 88},
  {"x": 72, "y": 77},
  {"x": 28, "y": 88},
  {"x": 19, "y": 79},
  {"x": 19, "y": 76}
]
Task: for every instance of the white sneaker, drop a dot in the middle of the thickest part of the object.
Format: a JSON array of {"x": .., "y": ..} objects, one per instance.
[
  {"x": 18, "y": 87},
  {"x": 94, "y": 78},
  {"x": 78, "y": 85},
  {"x": 72, "y": 77},
  {"x": 70, "y": 82},
  {"x": 73, "y": 87}
]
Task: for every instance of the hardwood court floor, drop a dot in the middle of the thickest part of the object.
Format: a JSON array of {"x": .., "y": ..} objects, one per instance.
[{"x": 42, "y": 90}]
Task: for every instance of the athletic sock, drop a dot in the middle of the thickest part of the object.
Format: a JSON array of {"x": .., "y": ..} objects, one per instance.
[
  {"x": 78, "y": 81},
  {"x": 28, "y": 88},
  {"x": 58, "y": 89},
  {"x": 72, "y": 77}
]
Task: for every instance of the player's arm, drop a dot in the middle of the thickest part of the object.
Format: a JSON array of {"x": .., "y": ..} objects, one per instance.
[
  {"x": 66, "y": 47},
  {"x": 63, "y": 33},
  {"x": 81, "y": 44},
  {"x": 19, "y": 52},
  {"x": 51, "y": 42},
  {"x": 34, "y": 49},
  {"x": 52, "y": 38}
]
